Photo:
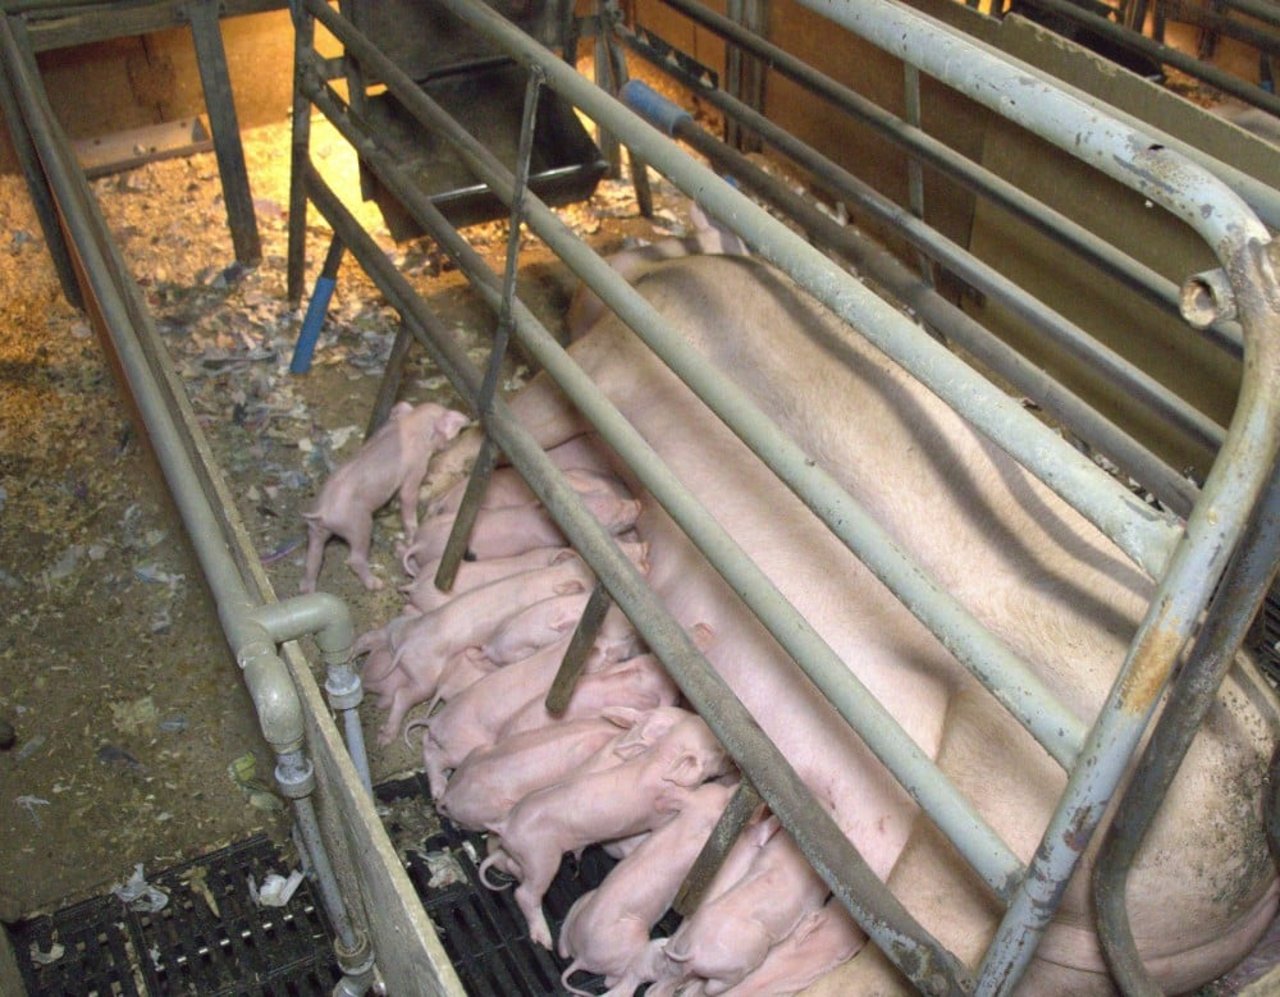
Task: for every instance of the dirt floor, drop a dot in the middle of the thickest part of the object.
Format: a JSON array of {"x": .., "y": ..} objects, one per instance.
[{"x": 128, "y": 710}]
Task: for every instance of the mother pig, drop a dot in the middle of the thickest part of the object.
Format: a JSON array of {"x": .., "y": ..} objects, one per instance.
[{"x": 1027, "y": 566}]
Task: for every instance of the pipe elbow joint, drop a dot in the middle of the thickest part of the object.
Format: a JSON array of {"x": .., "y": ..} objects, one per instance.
[{"x": 274, "y": 699}]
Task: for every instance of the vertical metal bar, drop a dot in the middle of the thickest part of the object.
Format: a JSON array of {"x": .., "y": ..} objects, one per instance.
[
  {"x": 37, "y": 183},
  {"x": 915, "y": 171},
  {"x": 211, "y": 59},
  {"x": 609, "y": 21},
  {"x": 317, "y": 308},
  {"x": 389, "y": 387},
  {"x": 299, "y": 155},
  {"x": 455, "y": 546},
  {"x": 733, "y": 74},
  {"x": 1235, "y": 604},
  {"x": 737, "y": 814},
  {"x": 607, "y": 141},
  {"x": 575, "y": 655}
]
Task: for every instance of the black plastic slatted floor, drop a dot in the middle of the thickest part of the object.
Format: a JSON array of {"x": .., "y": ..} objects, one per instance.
[
  {"x": 186, "y": 948},
  {"x": 482, "y": 930}
]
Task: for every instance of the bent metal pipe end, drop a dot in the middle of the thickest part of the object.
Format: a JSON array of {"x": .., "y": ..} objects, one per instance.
[{"x": 274, "y": 698}]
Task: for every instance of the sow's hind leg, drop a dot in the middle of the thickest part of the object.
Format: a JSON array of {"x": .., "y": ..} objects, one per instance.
[{"x": 1199, "y": 895}]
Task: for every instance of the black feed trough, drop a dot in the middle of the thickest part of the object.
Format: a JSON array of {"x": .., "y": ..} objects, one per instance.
[{"x": 487, "y": 99}]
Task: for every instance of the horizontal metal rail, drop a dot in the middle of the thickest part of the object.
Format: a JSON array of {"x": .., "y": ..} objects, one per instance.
[
  {"x": 1144, "y": 535},
  {"x": 832, "y": 854},
  {"x": 1161, "y": 53},
  {"x": 1100, "y": 253},
  {"x": 1122, "y": 375}
]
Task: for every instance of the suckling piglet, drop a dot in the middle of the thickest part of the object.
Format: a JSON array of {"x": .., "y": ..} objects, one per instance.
[
  {"x": 607, "y": 930},
  {"x": 512, "y": 530},
  {"x": 471, "y": 721},
  {"x": 491, "y": 781},
  {"x": 638, "y": 795},
  {"x": 822, "y": 940},
  {"x": 729, "y": 936},
  {"x": 393, "y": 461}
]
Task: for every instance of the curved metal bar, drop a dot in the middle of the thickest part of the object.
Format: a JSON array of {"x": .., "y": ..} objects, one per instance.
[{"x": 1241, "y": 592}]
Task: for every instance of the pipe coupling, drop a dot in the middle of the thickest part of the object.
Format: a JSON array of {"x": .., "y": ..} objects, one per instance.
[
  {"x": 296, "y": 776},
  {"x": 357, "y": 960},
  {"x": 343, "y": 687},
  {"x": 1207, "y": 298}
]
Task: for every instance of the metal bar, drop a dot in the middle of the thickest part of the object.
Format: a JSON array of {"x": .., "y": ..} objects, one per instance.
[
  {"x": 607, "y": 141},
  {"x": 1171, "y": 488},
  {"x": 1263, "y": 10},
  {"x": 1144, "y": 535},
  {"x": 211, "y": 60},
  {"x": 481, "y": 472},
  {"x": 124, "y": 321},
  {"x": 999, "y": 191},
  {"x": 611, "y": 17},
  {"x": 317, "y": 307},
  {"x": 1263, "y": 41},
  {"x": 304, "y": 29},
  {"x": 389, "y": 386},
  {"x": 465, "y": 520},
  {"x": 575, "y": 655},
  {"x": 923, "y": 959},
  {"x": 1242, "y": 244},
  {"x": 742, "y": 806},
  {"x": 38, "y": 188},
  {"x": 1219, "y": 78},
  {"x": 915, "y": 171},
  {"x": 882, "y": 734},
  {"x": 1131, "y": 380},
  {"x": 1236, "y": 603},
  {"x": 1138, "y": 157}
]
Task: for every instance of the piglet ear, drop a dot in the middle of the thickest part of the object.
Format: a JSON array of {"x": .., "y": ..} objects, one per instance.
[
  {"x": 698, "y": 218},
  {"x": 763, "y": 831},
  {"x": 686, "y": 771},
  {"x": 450, "y": 423},
  {"x": 622, "y": 716},
  {"x": 399, "y": 409}
]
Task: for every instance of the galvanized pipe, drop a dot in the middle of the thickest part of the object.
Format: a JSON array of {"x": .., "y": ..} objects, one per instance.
[
  {"x": 120, "y": 312},
  {"x": 465, "y": 519},
  {"x": 1145, "y": 536},
  {"x": 1235, "y": 604},
  {"x": 922, "y": 958},
  {"x": 1130, "y": 380},
  {"x": 1101, "y": 254},
  {"x": 1176, "y": 492},
  {"x": 1190, "y": 65},
  {"x": 575, "y": 657},
  {"x": 1263, "y": 10},
  {"x": 882, "y": 734},
  {"x": 279, "y": 712}
]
